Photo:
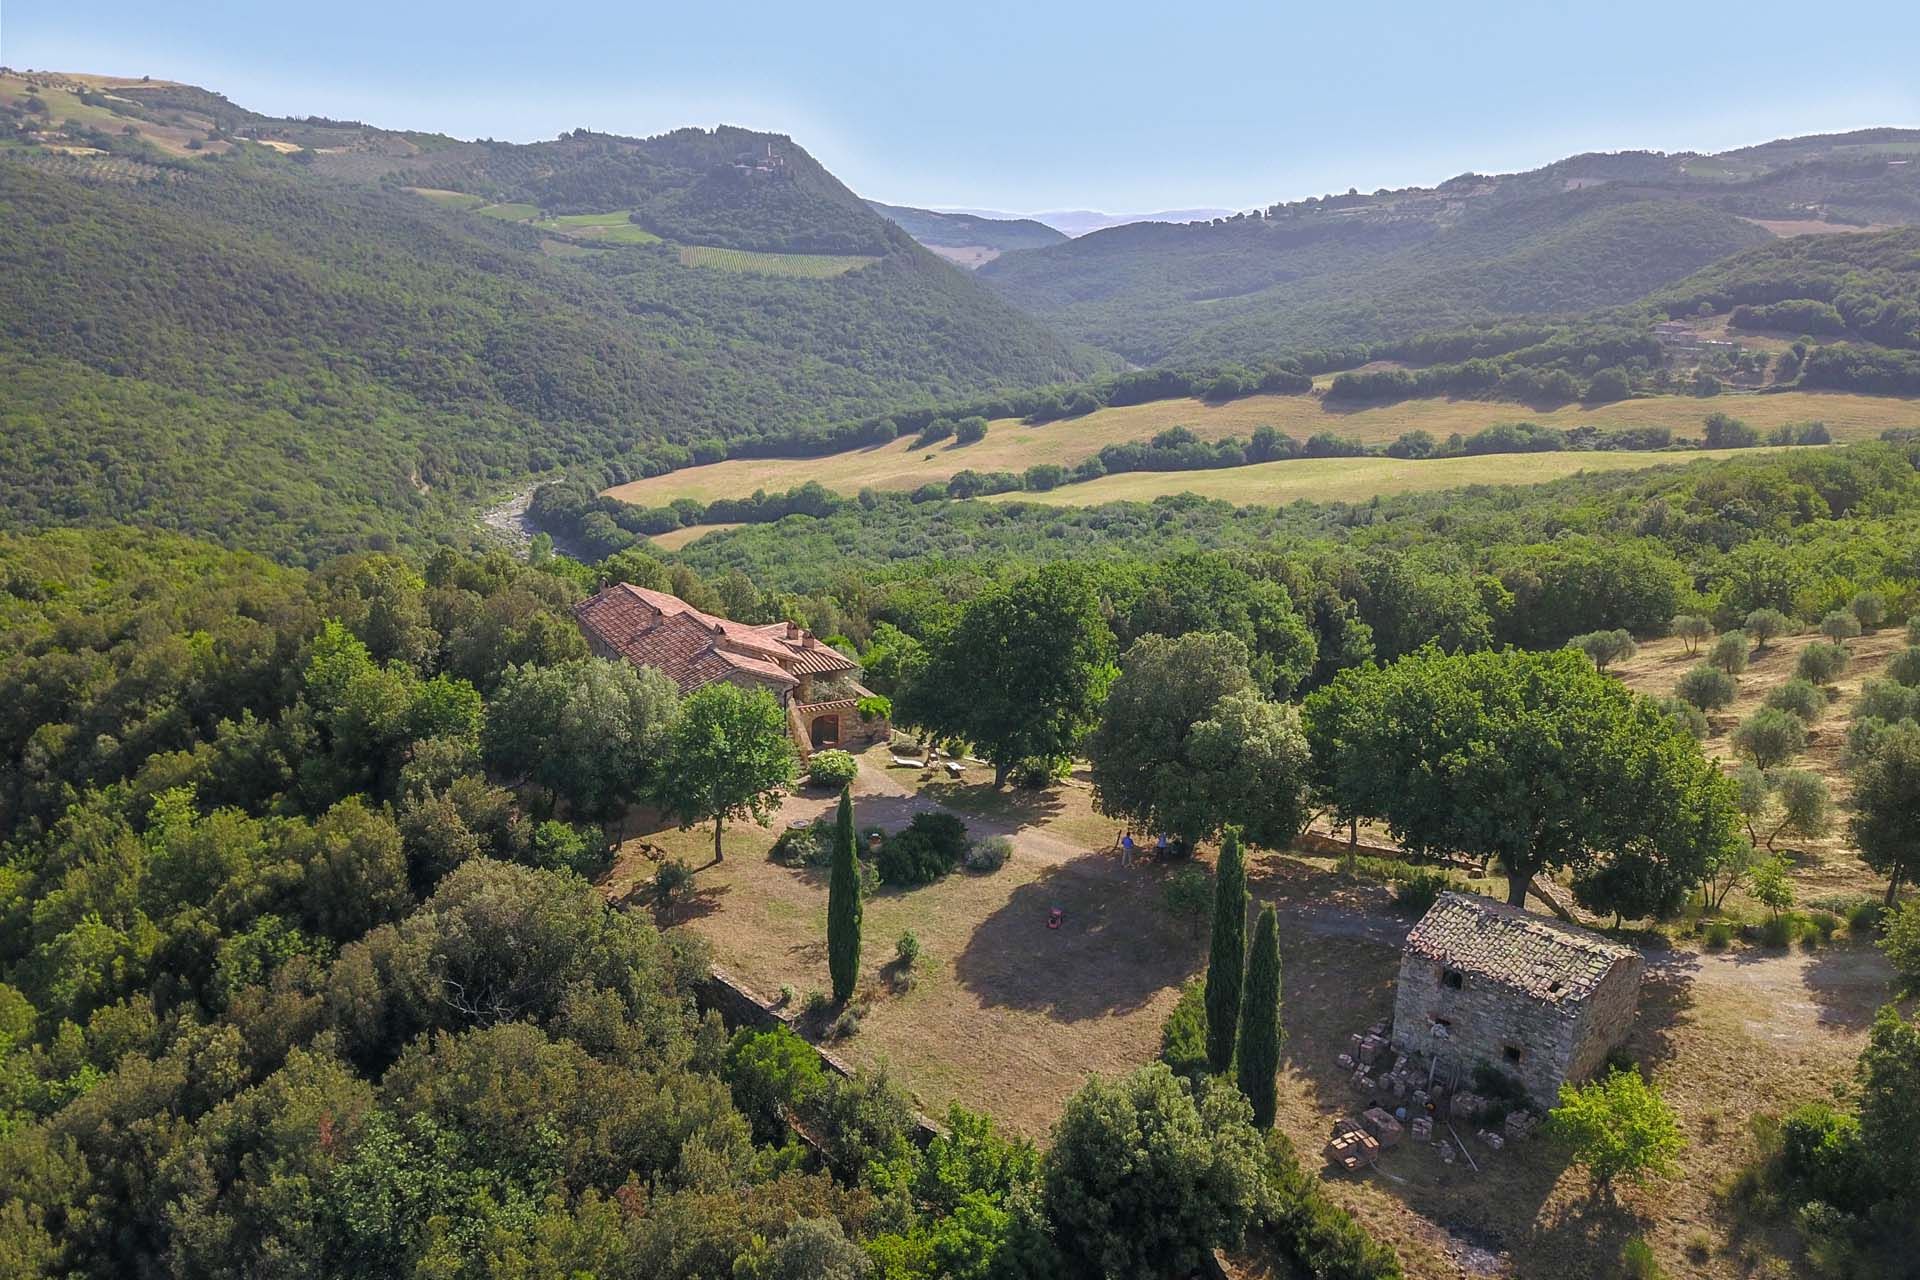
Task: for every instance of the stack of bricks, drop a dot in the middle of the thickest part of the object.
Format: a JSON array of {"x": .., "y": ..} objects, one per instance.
[
  {"x": 1521, "y": 1123},
  {"x": 1422, "y": 1128},
  {"x": 1382, "y": 1125},
  {"x": 1493, "y": 1140},
  {"x": 1466, "y": 1106}
]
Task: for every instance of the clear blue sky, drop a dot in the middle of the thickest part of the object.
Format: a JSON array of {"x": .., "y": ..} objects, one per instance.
[{"x": 1121, "y": 106}]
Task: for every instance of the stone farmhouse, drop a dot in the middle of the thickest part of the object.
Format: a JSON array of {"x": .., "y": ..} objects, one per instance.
[
  {"x": 817, "y": 684},
  {"x": 1485, "y": 983}
]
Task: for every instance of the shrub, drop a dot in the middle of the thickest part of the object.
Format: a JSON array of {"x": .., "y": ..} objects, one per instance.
[
  {"x": 1800, "y": 698},
  {"x": 773, "y": 1073},
  {"x": 807, "y": 846},
  {"x": 560, "y": 846},
  {"x": 931, "y": 846},
  {"x": 1777, "y": 932},
  {"x": 1822, "y": 663},
  {"x": 1869, "y": 609},
  {"x": 1824, "y": 923},
  {"x": 1719, "y": 935},
  {"x": 1692, "y": 629},
  {"x": 1035, "y": 773},
  {"x": 1183, "y": 1036},
  {"x": 1637, "y": 1261},
  {"x": 906, "y": 952},
  {"x": 834, "y": 769},
  {"x": 1900, "y": 940},
  {"x": 816, "y": 1003},
  {"x": 1864, "y": 917},
  {"x": 1417, "y": 892},
  {"x": 1913, "y": 629},
  {"x": 1730, "y": 652},
  {"x": 875, "y": 707},
  {"x": 1770, "y": 737},
  {"x": 844, "y": 1027},
  {"x": 1189, "y": 893},
  {"x": 1687, "y": 716},
  {"x": 672, "y": 885},
  {"x": 1839, "y": 625},
  {"x": 990, "y": 854},
  {"x": 1820, "y": 1150},
  {"x": 1766, "y": 625},
  {"x": 1618, "y": 1127},
  {"x": 970, "y": 430},
  {"x": 1707, "y": 688},
  {"x": 1904, "y": 666}
]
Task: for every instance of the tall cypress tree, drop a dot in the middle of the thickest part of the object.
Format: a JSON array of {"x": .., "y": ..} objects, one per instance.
[
  {"x": 1260, "y": 1020},
  {"x": 1226, "y": 962},
  {"x": 843, "y": 904}
]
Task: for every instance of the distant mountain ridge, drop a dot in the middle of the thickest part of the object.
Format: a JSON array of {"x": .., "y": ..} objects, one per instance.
[
  {"x": 1079, "y": 222},
  {"x": 1585, "y": 232}
]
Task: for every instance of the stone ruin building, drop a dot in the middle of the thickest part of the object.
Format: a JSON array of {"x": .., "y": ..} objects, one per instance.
[{"x": 1485, "y": 983}]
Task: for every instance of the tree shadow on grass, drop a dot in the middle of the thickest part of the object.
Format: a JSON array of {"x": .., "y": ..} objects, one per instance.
[
  {"x": 1015, "y": 806},
  {"x": 1114, "y": 951}
]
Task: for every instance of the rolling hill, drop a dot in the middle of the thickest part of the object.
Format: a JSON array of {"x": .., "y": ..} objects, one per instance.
[
  {"x": 310, "y": 336},
  {"x": 1587, "y": 232},
  {"x": 966, "y": 239}
]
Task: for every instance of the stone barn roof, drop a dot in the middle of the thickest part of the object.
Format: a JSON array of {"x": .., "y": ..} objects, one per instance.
[{"x": 1539, "y": 958}]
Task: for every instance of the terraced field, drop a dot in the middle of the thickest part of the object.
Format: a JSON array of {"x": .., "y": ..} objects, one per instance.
[{"x": 1012, "y": 446}]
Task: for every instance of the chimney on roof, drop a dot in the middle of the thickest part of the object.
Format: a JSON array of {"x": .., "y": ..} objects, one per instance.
[
  {"x": 812, "y": 641},
  {"x": 793, "y": 630}
]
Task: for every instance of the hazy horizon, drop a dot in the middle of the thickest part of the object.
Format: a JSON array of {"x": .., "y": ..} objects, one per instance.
[{"x": 1113, "y": 108}]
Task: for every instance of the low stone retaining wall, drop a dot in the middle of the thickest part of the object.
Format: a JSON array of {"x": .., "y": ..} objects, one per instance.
[{"x": 740, "y": 1006}]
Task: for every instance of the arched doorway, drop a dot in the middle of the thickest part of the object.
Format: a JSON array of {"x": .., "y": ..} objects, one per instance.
[{"x": 824, "y": 731}]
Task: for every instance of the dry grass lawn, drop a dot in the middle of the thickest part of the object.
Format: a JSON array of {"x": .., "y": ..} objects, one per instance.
[
  {"x": 1010, "y": 1017},
  {"x": 1012, "y": 446}
]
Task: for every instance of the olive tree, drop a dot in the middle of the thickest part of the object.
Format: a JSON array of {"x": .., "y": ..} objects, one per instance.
[
  {"x": 1770, "y": 737},
  {"x": 1707, "y": 688},
  {"x": 1840, "y": 626},
  {"x": 1886, "y": 805},
  {"x": 1692, "y": 629},
  {"x": 1730, "y": 652},
  {"x": 1765, "y": 626}
]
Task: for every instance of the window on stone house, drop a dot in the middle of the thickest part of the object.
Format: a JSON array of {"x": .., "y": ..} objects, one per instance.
[
  {"x": 1512, "y": 1054},
  {"x": 1453, "y": 978}
]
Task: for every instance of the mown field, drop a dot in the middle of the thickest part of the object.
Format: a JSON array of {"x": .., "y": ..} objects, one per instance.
[
  {"x": 1012, "y": 446},
  {"x": 809, "y": 266}
]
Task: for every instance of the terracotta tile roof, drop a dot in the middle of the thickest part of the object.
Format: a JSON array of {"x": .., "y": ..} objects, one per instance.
[
  {"x": 693, "y": 648},
  {"x": 1540, "y": 958}
]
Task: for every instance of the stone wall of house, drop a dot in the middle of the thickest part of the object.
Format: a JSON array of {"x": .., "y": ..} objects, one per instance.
[
  {"x": 1557, "y": 1042},
  {"x": 1606, "y": 1017},
  {"x": 1483, "y": 1020}
]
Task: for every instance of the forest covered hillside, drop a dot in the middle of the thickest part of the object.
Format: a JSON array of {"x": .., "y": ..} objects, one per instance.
[
  {"x": 310, "y": 337},
  {"x": 1586, "y": 232}
]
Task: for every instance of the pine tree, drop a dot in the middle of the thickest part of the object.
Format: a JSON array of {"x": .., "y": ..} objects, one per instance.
[
  {"x": 843, "y": 905},
  {"x": 1226, "y": 962},
  {"x": 1260, "y": 1020}
]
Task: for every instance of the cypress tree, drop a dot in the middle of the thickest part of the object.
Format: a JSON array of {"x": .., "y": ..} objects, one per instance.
[
  {"x": 1260, "y": 1020},
  {"x": 843, "y": 904},
  {"x": 1227, "y": 960}
]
